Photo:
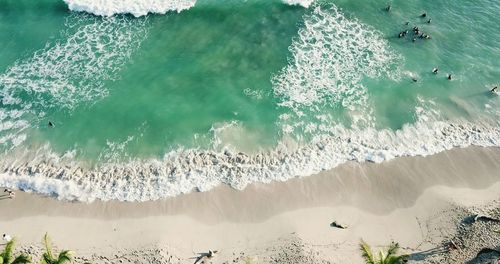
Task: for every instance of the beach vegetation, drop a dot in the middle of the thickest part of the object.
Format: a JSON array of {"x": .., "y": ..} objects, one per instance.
[
  {"x": 388, "y": 257},
  {"x": 48, "y": 256},
  {"x": 7, "y": 256}
]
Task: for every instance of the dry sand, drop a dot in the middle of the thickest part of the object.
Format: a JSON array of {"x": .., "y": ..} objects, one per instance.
[{"x": 417, "y": 201}]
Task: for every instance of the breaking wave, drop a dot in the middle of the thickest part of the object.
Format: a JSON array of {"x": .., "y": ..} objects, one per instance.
[
  {"x": 134, "y": 7},
  {"x": 139, "y": 8},
  {"x": 329, "y": 58},
  {"x": 187, "y": 170}
]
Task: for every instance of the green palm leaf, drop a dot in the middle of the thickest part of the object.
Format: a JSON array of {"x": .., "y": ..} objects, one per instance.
[
  {"x": 393, "y": 249},
  {"x": 395, "y": 259},
  {"x": 7, "y": 252},
  {"x": 21, "y": 259},
  {"x": 47, "y": 256},
  {"x": 388, "y": 257},
  {"x": 366, "y": 253},
  {"x": 46, "y": 259},
  {"x": 381, "y": 257},
  {"x": 65, "y": 256}
]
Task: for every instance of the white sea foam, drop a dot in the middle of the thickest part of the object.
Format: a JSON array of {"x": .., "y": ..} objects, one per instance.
[
  {"x": 304, "y": 3},
  {"x": 185, "y": 170},
  {"x": 325, "y": 60},
  {"x": 139, "y": 8},
  {"x": 66, "y": 73},
  {"x": 74, "y": 70},
  {"x": 134, "y": 7},
  {"x": 330, "y": 56}
]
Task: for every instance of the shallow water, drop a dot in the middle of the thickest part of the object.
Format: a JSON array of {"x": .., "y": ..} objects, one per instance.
[{"x": 235, "y": 91}]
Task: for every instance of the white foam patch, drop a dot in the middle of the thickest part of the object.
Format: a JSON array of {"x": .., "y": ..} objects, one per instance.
[
  {"x": 75, "y": 69},
  {"x": 304, "y": 3},
  {"x": 66, "y": 73},
  {"x": 185, "y": 170},
  {"x": 139, "y": 8},
  {"x": 334, "y": 76},
  {"x": 330, "y": 57},
  {"x": 134, "y": 7},
  {"x": 66, "y": 190}
]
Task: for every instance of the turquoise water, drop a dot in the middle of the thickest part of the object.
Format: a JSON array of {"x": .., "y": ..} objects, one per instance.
[{"x": 265, "y": 79}]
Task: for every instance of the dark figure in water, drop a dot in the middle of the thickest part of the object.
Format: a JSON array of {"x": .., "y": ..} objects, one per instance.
[
  {"x": 51, "y": 124},
  {"x": 435, "y": 70},
  {"x": 414, "y": 39},
  {"x": 449, "y": 77},
  {"x": 416, "y": 31},
  {"x": 423, "y": 15},
  {"x": 407, "y": 23},
  {"x": 414, "y": 79},
  {"x": 494, "y": 89},
  {"x": 388, "y": 8},
  {"x": 429, "y": 21}
]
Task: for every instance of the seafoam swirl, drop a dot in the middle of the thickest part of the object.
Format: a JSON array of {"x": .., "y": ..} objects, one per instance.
[
  {"x": 329, "y": 58},
  {"x": 65, "y": 74}
]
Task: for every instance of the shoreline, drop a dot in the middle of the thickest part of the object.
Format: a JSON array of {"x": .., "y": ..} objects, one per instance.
[{"x": 377, "y": 201}]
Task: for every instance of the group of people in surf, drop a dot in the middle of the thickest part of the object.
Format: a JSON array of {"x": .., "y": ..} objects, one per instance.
[
  {"x": 418, "y": 33},
  {"x": 435, "y": 71}
]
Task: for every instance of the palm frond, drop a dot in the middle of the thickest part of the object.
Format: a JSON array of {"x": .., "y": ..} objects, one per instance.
[
  {"x": 46, "y": 259},
  {"x": 22, "y": 259},
  {"x": 366, "y": 253},
  {"x": 381, "y": 257},
  {"x": 65, "y": 256},
  {"x": 47, "y": 256},
  {"x": 393, "y": 249},
  {"x": 396, "y": 259},
  {"x": 7, "y": 252}
]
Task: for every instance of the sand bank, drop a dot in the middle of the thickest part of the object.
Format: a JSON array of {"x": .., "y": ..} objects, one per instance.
[{"x": 378, "y": 202}]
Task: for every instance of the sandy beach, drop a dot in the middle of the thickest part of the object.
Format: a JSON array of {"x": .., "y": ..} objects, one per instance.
[{"x": 419, "y": 202}]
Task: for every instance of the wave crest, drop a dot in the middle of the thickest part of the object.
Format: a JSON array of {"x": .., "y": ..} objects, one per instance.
[
  {"x": 185, "y": 170},
  {"x": 139, "y": 8}
]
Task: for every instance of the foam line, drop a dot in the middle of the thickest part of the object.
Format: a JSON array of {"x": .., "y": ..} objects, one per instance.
[
  {"x": 139, "y": 8},
  {"x": 135, "y": 7},
  {"x": 185, "y": 170}
]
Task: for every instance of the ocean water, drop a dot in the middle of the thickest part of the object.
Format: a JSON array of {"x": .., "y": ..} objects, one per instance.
[{"x": 153, "y": 99}]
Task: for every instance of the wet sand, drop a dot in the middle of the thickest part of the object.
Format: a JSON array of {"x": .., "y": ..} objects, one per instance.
[{"x": 378, "y": 202}]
